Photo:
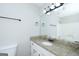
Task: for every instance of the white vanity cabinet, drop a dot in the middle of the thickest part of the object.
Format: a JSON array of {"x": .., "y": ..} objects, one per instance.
[{"x": 36, "y": 50}]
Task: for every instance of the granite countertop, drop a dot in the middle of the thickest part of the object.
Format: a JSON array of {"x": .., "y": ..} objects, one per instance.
[{"x": 59, "y": 47}]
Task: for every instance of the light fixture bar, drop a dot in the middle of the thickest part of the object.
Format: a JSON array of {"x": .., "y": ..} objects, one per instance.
[{"x": 61, "y": 4}]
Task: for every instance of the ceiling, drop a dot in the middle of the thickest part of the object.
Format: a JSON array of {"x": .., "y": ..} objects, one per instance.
[{"x": 41, "y": 5}]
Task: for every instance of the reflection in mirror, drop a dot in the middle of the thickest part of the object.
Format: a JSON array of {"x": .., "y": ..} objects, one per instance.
[{"x": 70, "y": 19}]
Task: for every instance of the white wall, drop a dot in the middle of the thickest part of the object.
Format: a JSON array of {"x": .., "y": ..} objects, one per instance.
[{"x": 15, "y": 31}]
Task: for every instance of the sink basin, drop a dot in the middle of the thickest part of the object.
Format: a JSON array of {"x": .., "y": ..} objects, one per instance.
[{"x": 47, "y": 43}]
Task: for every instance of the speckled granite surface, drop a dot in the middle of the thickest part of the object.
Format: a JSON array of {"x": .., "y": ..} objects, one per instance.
[{"x": 59, "y": 47}]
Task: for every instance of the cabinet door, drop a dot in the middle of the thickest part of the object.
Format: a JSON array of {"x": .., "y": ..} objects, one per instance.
[{"x": 35, "y": 52}]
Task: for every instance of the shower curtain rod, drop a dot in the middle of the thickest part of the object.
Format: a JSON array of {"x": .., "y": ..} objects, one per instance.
[{"x": 10, "y": 18}]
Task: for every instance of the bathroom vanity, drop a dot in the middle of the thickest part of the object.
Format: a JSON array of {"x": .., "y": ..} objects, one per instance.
[{"x": 43, "y": 47}]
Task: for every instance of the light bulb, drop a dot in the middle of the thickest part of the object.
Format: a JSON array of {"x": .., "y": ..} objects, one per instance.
[
  {"x": 44, "y": 11},
  {"x": 57, "y": 4},
  {"x": 48, "y": 13},
  {"x": 52, "y": 7}
]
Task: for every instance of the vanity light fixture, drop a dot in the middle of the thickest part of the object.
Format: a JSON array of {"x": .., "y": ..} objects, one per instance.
[
  {"x": 52, "y": 7},
  {"x": 57, "y": 4}
]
